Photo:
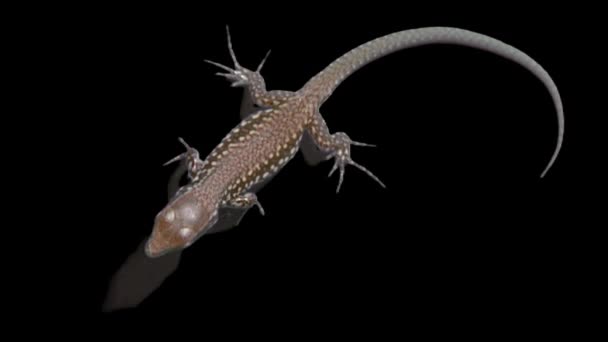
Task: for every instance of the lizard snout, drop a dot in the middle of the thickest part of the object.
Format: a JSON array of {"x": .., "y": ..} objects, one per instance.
[{"x": 178, "y": 225}]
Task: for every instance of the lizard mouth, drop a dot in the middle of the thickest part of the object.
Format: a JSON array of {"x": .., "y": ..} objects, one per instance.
[
  {"x": 157, "y": 246},
  {"x": 154, "y": 249}
]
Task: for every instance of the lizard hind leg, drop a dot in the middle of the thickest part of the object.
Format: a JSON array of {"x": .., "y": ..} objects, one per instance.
[
  {"x": 341, "y": 153},
  {"x": 238, "y": 75}
]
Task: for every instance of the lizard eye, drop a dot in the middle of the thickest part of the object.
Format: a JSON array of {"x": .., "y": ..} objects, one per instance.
[
  {"x": 185, "y": 232},
  {"x": 170, "y": 216}
]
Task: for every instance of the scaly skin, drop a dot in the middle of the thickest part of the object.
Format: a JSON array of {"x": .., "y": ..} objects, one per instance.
[{"x": 269, "y": 136}]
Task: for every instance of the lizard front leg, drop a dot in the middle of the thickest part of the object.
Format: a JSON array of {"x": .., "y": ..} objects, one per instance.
[
  {"x": 190, "y": 162},
  {"x": 335, "y": 146},
  {"x": 193, "y": 162},
  {"x": 244, "y": 201}
]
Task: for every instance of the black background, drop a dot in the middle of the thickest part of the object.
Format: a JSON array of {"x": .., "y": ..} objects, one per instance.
[{"x": 464, "y": 225}]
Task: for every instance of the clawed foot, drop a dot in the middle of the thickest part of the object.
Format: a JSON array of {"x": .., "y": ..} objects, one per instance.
[
  {"x": 247, "y": 200},
  {"x": 238, "y": 76},
  {"x": 342, "y": 158},
  {"x": 191, "y": 153},
  {"x": 193, "y": 163}
]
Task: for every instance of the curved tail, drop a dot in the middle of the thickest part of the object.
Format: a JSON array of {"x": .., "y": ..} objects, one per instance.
[{"x": 321, "y": 86}]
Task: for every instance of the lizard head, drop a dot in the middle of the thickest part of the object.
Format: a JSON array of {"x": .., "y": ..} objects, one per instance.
[{"x": 179, "y": 224}]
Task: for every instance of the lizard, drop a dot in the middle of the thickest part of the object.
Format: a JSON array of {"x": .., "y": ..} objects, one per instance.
[{"x": 276, "y": 124}]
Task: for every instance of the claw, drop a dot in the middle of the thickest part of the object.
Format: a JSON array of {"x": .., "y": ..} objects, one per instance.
[
  {"x": 263, "y": 61},
  {"x": 181, "y": 140},
  {"x": 181, "y": 156},
  {"x": 339, "y": 163},
  {"x": 334, "y": 168},
  {"x": 236, "y": 80},
  {"x": 260, "y": 207},
  {"x": 236, "y": 64},
  {"x": 356, "y": 143},
  {"x": 341, "y": 178},
  {"x": 221, "y": 66},
  {"x": 253, "y": 199},
  {"x": 368, "y": 172}
]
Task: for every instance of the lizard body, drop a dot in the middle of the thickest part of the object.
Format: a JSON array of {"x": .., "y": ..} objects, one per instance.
[{"x": 269, "y": 136}]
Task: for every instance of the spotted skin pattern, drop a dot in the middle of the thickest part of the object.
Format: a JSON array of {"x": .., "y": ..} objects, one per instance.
[{"x": 274, "y": 122}]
